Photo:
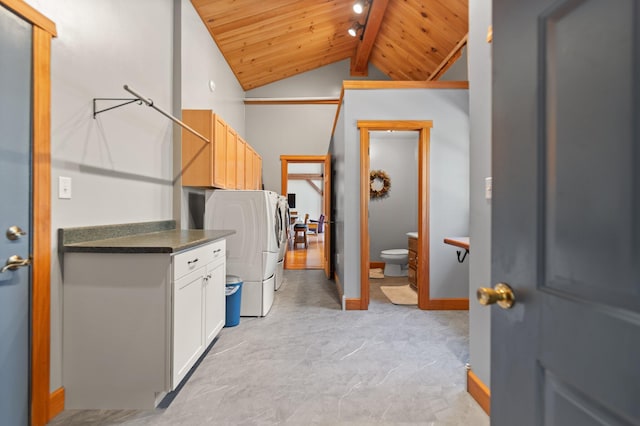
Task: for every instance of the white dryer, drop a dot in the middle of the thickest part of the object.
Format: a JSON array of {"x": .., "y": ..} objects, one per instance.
[
  {"x": 252, "y": 252},
  {"x": 283, "y": 212}
]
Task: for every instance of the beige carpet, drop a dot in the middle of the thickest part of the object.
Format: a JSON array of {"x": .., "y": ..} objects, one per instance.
[
  {"x": 376, "y": 273},
  {"x": 400, "y": 294}
]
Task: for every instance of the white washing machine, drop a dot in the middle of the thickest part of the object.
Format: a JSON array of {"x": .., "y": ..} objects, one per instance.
[
  {"x": 252, "y": 252},
  {"x": 283, "y": 211}
]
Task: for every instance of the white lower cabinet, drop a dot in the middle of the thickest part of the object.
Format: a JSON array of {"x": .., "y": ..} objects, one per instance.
[
  {"x": 136, "y": 323},
  {"x": 188, "y": 317},
  {"x": 198, "y": 305},
  {"x": 214, "y": 300}
]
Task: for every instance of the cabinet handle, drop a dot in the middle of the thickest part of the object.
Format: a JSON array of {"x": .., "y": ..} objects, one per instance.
[
  {"x": 192, "y": 261},
  {"x": 217, "y": 251}
]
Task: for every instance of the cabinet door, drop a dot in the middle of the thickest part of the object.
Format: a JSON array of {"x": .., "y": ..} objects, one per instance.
[
  {"x": 249, "y": 168},
  {"x": 219, "y": 163},
  {"x": 197, "y": 155},
  {"x": 214, "y": 301},
  {"x": 188, "y": 341},
  {"x": 257, "y": 174},
  {"x": 240, "y": 163},
  {"x": 232, "y": 140}
]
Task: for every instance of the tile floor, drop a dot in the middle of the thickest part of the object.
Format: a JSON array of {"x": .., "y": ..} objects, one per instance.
[{"x": 309, "y": 363}]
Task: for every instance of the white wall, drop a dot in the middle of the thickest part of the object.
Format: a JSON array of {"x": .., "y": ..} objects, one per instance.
[
  {"x": 321, "y": 82},
  {"x": 308, "y": 200},
  {"x": 274, "y": 130},
  {"x": 337, "y": 150},
  {"x": 121, "y": 163},
  {"x": 391, "y": 217},
  {"x": 201, "y": 62},
  {"x": 459, "y": 70},
  {"x": 480, "y": 167},
  {"x": 448, "y": 174}
]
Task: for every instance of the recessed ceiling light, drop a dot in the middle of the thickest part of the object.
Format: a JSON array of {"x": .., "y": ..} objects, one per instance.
[{"x": 353, "y": 31}]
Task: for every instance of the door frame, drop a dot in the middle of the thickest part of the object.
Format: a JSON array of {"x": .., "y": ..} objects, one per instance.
[
  {"x": 43, "y": 405},
  {"x": 424, "y": 137},
  {"x": 325, "y": 160},
  {"x": 423, "y": 129}
]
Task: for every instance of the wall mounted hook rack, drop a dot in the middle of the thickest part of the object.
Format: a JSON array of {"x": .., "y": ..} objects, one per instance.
[
  {"x": 129, "y": 101},
  {"x": 142, "y": 100}
]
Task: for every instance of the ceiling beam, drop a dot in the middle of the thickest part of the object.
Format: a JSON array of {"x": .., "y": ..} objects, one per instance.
[
  {"x": 314, "y": 186},
  {"x": 305, "y": 176},
  {"x": 451, "y": 58},
  {"x": 360, "y": 59}
]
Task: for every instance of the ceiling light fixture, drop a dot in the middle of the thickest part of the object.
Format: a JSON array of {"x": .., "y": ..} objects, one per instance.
[
  {"x": 353, "y": 31},
  {"x": 358, "y": 7}
]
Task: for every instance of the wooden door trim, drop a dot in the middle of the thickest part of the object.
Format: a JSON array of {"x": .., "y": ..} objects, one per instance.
[
  {"x": 479, "y": 391},
  {"x": 423, "y": 129},
  {"x": 31, "y": 15},
  {"x": 56, "y": 402},
  {"x": 43, "y": 30},
  {"x": 364, "y": 216},
  {"x": 424, "y": 298},
  {"x": 41, "y": 269},
  {"x": 284, "y": 166},
  {"x": 328, "y": 218},
  {"x": 284, "y": 181}
]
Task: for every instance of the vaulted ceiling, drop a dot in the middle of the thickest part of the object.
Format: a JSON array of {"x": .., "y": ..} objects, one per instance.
[{"x": 268, "y": 40}]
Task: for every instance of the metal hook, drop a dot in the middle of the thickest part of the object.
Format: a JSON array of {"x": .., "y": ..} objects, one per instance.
[{"x": 459, "y": 252}]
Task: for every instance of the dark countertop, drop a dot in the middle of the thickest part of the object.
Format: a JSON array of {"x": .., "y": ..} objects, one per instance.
[{"x": 148, "y": 237}]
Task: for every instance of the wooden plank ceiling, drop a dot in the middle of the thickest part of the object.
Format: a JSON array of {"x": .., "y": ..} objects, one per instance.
[{"x": 268, "y": 40}]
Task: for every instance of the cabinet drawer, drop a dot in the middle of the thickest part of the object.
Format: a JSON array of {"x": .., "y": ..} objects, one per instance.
[
  {"x": 217, "y": 251},
  {"x": 412, "y": 275},
  {"x": 413, "y": 244},
  {"x": 190, "y": 260},
  {"x": 413, "y": 259}
]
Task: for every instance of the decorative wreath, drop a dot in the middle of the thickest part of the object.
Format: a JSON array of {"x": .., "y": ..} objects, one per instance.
[{"x": 379, "y": 184}]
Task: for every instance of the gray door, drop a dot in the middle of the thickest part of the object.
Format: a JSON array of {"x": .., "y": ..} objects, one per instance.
[
  {"x": 15, "y": 195},
  {"x": 566, "y": 212}
]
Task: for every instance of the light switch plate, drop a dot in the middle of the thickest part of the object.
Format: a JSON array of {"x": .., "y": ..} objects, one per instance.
[
  {"x": 488, "y": 187},
  {"x": 64, "y": 188}
]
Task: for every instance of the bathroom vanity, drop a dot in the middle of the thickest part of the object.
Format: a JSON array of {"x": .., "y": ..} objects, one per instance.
[
  {"x": 413, "y": 259},
  {"x": 142, "y": 302}
]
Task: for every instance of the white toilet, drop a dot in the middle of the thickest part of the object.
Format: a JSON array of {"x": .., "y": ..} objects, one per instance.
[{"x": 396, "y": 262}]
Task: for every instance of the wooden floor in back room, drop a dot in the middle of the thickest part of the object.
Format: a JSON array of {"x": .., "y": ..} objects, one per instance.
[{"x": 310, "y": 257}]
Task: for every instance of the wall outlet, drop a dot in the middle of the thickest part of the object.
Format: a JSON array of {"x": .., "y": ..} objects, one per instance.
[
  {"x": 488, "y": 187},
  {"x": 64, "y": 188}
]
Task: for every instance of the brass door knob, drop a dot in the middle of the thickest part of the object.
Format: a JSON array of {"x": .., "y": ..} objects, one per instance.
[{"x": 501, "y": 294}]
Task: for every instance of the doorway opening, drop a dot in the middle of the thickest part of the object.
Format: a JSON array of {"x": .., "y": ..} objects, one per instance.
[
  {"x": 306, "y": 182},
  {"x": 422, "y": 246},
  {"x": 393, "y": 215},
  {"x": 422, "y": 227}
]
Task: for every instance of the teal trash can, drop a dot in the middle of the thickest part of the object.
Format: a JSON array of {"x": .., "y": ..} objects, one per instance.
[{"x": 233, "y": 293}]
